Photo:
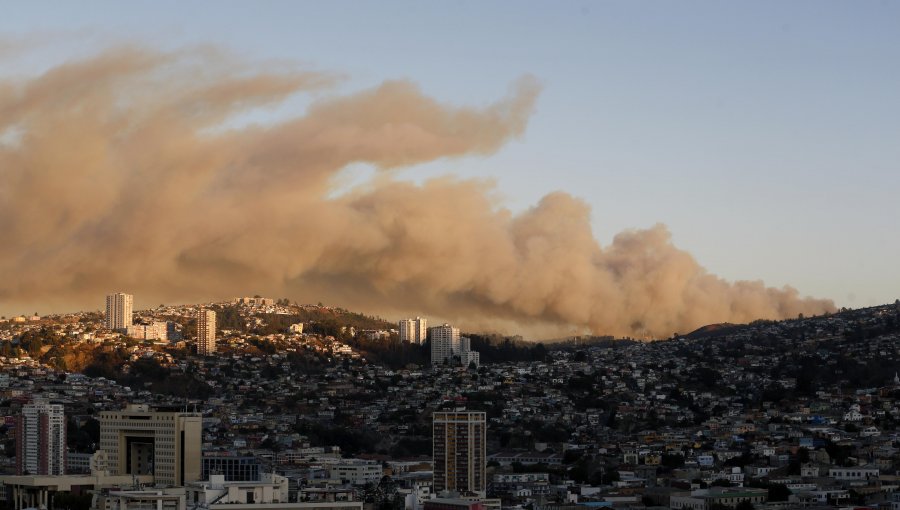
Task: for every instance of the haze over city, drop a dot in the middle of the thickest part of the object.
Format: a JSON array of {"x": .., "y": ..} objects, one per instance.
[
  {"x": 605, "y": 168},
  {"x": 449, "y": 255}
]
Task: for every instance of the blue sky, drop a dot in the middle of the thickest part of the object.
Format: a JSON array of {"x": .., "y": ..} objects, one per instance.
[{"x": 766, "y": 135}]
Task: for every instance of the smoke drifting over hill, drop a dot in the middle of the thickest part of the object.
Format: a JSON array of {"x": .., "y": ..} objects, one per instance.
[{"x": 119, "y": 174}]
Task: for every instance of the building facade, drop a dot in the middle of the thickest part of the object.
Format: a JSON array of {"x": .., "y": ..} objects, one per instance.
[
  {"x": 232, "y": 468},
  {"x": 459, "y": 451},
  {"x": 163, "y": 443},
  {"x": 357, "y": 472},
  {"x": 156, "y": 330},
  {"x": 119, "y": 311},
  {"x": 41, "y": 439},
  {"x": 254, "y": 301},
  {"x": 444, "y": 343},
  {"x": 413, "y": 331},
  {"x": 206, "y": 332},
  {"x": 447, "y": 347}
]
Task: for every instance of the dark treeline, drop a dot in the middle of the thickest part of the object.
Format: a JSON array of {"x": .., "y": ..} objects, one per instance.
[
  {"x": 113, "y": 364},
  {"x": 323, "y": 321},
  {"x": 500, "y": 349},
  {"x": 492, "y": 349}
]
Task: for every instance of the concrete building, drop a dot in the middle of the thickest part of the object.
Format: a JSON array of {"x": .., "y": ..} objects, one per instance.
[
  {"x": 148, "y": 499},
  {"x": 447, "y": 347},
  {"x": 206, "y": 332},
  {"x": 468, "y": 358},
  {"x": 119, "y": 311},
  {"x": 444, "y": 343},
  {"x": 162, "y": 443},
  {"x": 40, "y": 491},
  {"x": 233, "y": 468},
  {"x": 78, "y": 463},
  {"x": 453, "y": 504},
  {"x": 156, "y": 330},
  {"x": 41, "y": 439},
  {"x": 702, "y": 499},
  {"x": 254, "y": 301},
  {"x": 855, "y": 473},
  {"x": 270, "y": 493},
  {"x": 413, "y": 331},
  {"x": 358, "y": 472},
  {"x": 459, "y": 451}
]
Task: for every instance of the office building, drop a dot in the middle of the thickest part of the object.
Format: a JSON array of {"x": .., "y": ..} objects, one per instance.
[
  {"x": 459, "y": 451},
  {"x": 413, "y": 331},
  {"x": 118, "y": 311},
  {"x": 143, "y": 441},
  {"x": 206, "y": 332},
  {"x": 41, "y": 439},
  {"x": 271, "y": 492}
]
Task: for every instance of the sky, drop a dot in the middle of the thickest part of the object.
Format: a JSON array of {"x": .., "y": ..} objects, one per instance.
[{"x": 764, "y": 134}]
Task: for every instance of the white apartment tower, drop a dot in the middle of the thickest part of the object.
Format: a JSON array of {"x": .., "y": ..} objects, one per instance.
[
  {"x": 448, "y": 347},
  {"x": 413, "y": 330},
  {"x": 444, "y": 343},
  {"x": 41, "y": 439},
  {"x": 206, "y": 332},
  {"x": 118, "y": 311}
]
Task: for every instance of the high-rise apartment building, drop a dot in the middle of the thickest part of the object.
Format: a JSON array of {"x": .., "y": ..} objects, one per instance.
[
  {"x": 459, "y": 451},
  {"x": 413, "y": 330},
  {"x": 163, "y": 443},
  {"x": 448, "y": 347},
  {"x": 444, "y": 343},
  {"x": 206, "y": 332},
  {"x": 118, "y": 311},
  {"x": 41, "y": 439}
]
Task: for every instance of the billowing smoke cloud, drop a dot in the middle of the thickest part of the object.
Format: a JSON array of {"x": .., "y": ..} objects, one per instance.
[{"x": 120, "y": 172}]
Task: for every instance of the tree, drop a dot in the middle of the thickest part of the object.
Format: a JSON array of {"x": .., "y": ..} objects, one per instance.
[
  {"x": 610, "y": 476},
  {"x": 672, "y": 460},
  {"x": 70, "y": 501},
  {"x": 779, "y": 492},
  {"x": 744, "y": 505}
]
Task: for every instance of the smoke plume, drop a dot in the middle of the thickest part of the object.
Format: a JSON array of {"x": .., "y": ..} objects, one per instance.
[{"x": 123, "y": 172}]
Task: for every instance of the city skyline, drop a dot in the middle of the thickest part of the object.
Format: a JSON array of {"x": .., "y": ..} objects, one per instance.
[
  {"x": 774, "y": 414},
  {"x": 767, "y": 155}
]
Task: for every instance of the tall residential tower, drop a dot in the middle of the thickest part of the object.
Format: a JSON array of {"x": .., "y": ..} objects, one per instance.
[
  {"x": 447, "y": 347},
  {"x": 41, "y": 439},
  {"x": 118, "y": 311},
  {"x": 459, "y": 451},
  {"x": 413, "y": 330},
  {"x": 444, "y": 343},
  {"x": 206, "y": 332}
]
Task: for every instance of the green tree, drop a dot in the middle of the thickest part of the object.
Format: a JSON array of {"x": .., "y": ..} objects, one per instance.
[{"x": 779, "y": 492}]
